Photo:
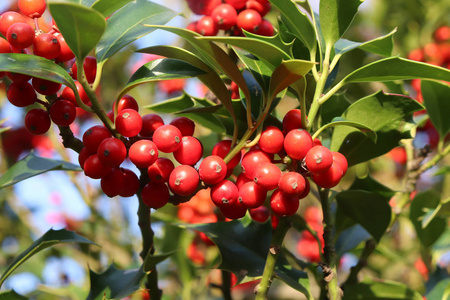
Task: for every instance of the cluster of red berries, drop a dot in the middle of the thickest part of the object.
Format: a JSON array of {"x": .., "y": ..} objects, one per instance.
[{"x": 232, "y": 16}]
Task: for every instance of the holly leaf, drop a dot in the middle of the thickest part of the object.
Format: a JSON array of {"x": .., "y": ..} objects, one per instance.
[
  {"x": 368, "y": 183},
  {"x": 388, "y": 115},
  {"x": 380, "y": 289},
  {"x": 335, "y": 106},
  {"x": 33, "y": 165},
  {"x": 260, "y": 71},
  {"x": 50, "y": 238},
  {"x": 340, "y": 121},
  {"x": 350, "y": 238},
  {"x": 116, "y": 283},
  {"x": 436, "y": 98},
  {"x": 107, "y": 7},
  {"x": 382, "y": 45},
  {"x": 151, "y": 261},
  {"x": 81, "y": 26}
]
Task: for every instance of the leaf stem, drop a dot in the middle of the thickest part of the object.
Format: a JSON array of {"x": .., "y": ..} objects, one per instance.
[{"x": 272, "y": 256}]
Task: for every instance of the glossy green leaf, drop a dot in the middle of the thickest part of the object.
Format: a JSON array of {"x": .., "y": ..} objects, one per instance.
[
  {"x": 389, "y": 115},
  {"x": 369, "y": 184},
  {"x": 35, "y": 66},
  {"x": 396, "y": 68},
  {"x": 116, "y": 283},
  {"x": 50, "y": 238},
  {"x": 340, "y": 121},
  {"x": 172, "y": 105},
  {"x": 81, "y": 26},
  {"x": 274, "y": 40},
  {"x": 107, "y": 7},
  {"x": 33, "y": 165},
  {"x": 286, "y": 74},
  {"x": 11, "y": 295},
  {"x": 260, "y": 71},
  {"x": 151, "y": 261},
  {"x": 350, "y": 238},
  {"x": 370, "y": 210},
  {"x": 123, "y": 29},
  {"x": 382, "y": 45},
  {"x": 436, "y": 98},
  {"x": 296, "y": 21},
  {"x": 161, "y": 69},
  {"x": 265, "y": 51},
  {"x": 336, "y": 16},
  {"x": 436, "y": 227},
  {"x": 380, "y": 290},
  {"x": 256, "y": 93},
  {"x": 335, "y": 106}
]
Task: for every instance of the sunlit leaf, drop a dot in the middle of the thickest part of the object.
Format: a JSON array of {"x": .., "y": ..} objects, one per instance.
[
  {"x": 107, "y": 7},
  {"x": 436, "y": 98},
  {"x": 382, "y": 45}
]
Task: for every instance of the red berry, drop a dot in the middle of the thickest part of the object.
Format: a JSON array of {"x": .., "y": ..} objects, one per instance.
[
  {"x": 171, "y": 86},
  {"x": 318, "y": 159},
  {"x": 63, "y": 112},
  {"x": 127, "y": 102},
  {"x": 21, "y": 94},
  {"x": 155, "y": 195},
  {"x": 128, "y": 122},
  {"x": 160, "y": 170},
  {"x": 203, "y": 7},
  {"x": 330, "y": 177},
  {"x": 68, "y": 94},
  {"x": 224, "y": 16},
  {"x": 83, "y": 155},
  {"x": 183, "y": 180},
  {"x": 267, "y": 175},
  {"x": 340, "y": 159},
  {"x": 143, "y": 153},
  {"x": 249, "y": 20},
  {"x": 46, "y": 45},
  {"x": 37, "y": 121},
  {"x": 32, "y": 8},
  {"x": 65, "y": 53},
  {"x": 20, "y": 35},
  {"x": 251, "y": 160},
  {"x": 18, "y": 77},
  {"x": 271, "y": 140},
  {"x": 265, "y": 28},
  {"x": 252, "y": 195},
  {"x": 90, "y": 69},
  {"x": 94, "y": 168},
  {"x": 212, "y": 169},
  {"x": 306, "y": 190},
  {"x": 8, "y": 18},
  {"x": 237, "y": 4},
  {"x": 167, "y": 138},
  {"x": 45, "y": 87},
  {"x": 206, "y": 26},
  {"x": 5, "y": 47},
  {"x": 185, "y": 125},
  {"x": 149, "y": 124},
  {"x": 292, "y": 183},
  {"x": 222, "y": 148},
  {"x": 282, "y": 204},
  {"x": 297, "y": 143},
  {"x": 260, "y": 214},
  {"x": 262, "y": 7},
  {"x": 113, "y": 182},
  {"x": 94, "y": 136},
  {"x": 292, "y": 120},
  {"x": 112, "y": 152},
  {"x": 234, "y": 211},
  {"x": 189, "y": 152},
  {"x": 224, "y": 193},
  {"x": 131, "y": 184}
]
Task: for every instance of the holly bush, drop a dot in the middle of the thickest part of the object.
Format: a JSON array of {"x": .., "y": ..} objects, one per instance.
[{"x": 308, "y": 161}]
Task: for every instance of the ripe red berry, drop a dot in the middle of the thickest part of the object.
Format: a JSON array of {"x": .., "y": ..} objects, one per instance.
[
  {"x": 127, "y": 102},
  {"x": 185, "y": 125},
  {"x": 143, "y": 153},
  {"x": 113, "y": 182},
  {"x": 224, "y": 16},
  {"x": 251, "y": 160},
  {"x": 83, "y": 155},
  {"x": 212, "y": 169},
  {"x": 90, "y": 69},
  {"x": 131, "y": 183},
  {"x": 282, "y": 204},
  {"x": 128, "y": 122},
  {"x": 46, "y": 45},
  {"x": 292, "y": 120},
  {"x": 94, "y": 136},
  {"x": 224, "y": 193},
  {"x": 8, "y": 18},
  {"x": 234, "y": 211},
  {"x": 262, "y": 7},
  {"x": 292, "y": 183},
  {"x": 340, "y": 159},
  {"x": 160, "y": 170},
  {"x": 260, "y": 214},
  {"x": 271, "y": 140},
  {"x": 63, "y": 112},
  {"x": 155, "y": 195},
  {"x": 249, "y": 20},
  {"x": 20, "y": 35},
  {"x": 5, "y": 47},
  {"x": 68, "y": 94},
  {"x": 37, "y": 121},
  {"x": 18, "y": 77},
  {"x": 237, "y": 4},
  {"x": 32, "y": 8},
  {"x": 265, "y": 28},
  {"x": 189, "y": 152},
  {"x": 45, "y": 87},
  {"x": 297, "y": 143},
  {"x": 94, "y": 168},
  {"x": 267, "y": 175},
  {"x": 203, "y": 7},
  {"x": 65, "y": 53},
  {"x": 222, "y": 148},
  {"x": 149, "y": 124},
  {"x": 318, "y": 159},
  {"x": 183, "y": 180},
  {"x": 112, "y": 152},
  {"x": 167, "y": 138},
  {"x": 206, "y": 26},
  {"x": 21, "y": 94},
  {"x": 330, "y": 178},
  {"x": 252, "y": 195}
]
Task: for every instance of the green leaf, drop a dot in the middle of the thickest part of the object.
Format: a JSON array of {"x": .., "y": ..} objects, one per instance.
[
  {"x": 396, "y": 68},
  {"x": 117, "y": 283},
  {"x": 371, "y": 185},
  {"x": 275, "y": 40},
  {"x": 370, "y": 210},
  {"x": 389, "y": 115},
  {"x": 379, "y": 290},
  {"x": 335, "y": 106},
  {"x": 123, "y": 29},
  {"x": 336, "y": 16},
  {"x": 33, "y": 165},
  {"x": 436, "y": 97},
  {"x": 382, "y": 45},
  {"x": 161, "y": 69},
  {"x": 340, "y": 121},
  {"x": 151, "y": 261},
  {"x": 440, "y": 290},
  {"x": 50, "y": 238},
  {"x": 260, "y": 71},
  {"x": 107, "y": 7},
  {"x": 256, "y": 93},
  {"x": 296, "y": 21},
  {"x": 35, "y": 66},
  {"x": 430, "y": 234},
  {"x": 442, "y": 171},
  {"x": 81, "y": 26},
  {"x": 350, "y": 238},
  {"x": 11, "y": 295}
]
